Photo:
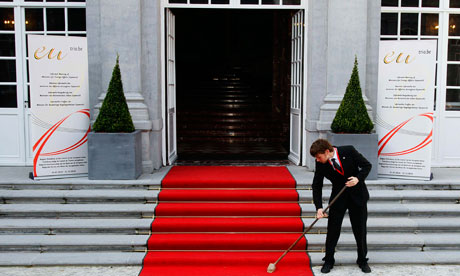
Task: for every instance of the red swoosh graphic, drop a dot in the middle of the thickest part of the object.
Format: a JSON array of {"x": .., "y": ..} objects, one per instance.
[
  {"x": 47, "y": 135},
  {"x": 391, "y": 133}
]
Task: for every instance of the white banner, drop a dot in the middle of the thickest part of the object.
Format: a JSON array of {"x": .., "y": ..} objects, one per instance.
[
  {"x": 60, "y": 118},
  {"x": 405, "y": 108}
]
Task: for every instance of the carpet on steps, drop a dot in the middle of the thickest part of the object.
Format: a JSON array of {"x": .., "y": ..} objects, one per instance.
[{"x": 226, "y": 220}]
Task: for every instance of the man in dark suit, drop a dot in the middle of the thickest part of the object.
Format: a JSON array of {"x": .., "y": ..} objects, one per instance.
[{"x": 343, "y": 166}]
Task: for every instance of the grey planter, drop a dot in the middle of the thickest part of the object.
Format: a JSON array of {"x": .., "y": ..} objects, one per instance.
[
  {"x": 114, "y": 155},
  {"x": 366, "y": 144}
]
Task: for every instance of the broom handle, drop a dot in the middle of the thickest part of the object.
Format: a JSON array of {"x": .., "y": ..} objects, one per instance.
[{"x": 311, "y": 226}]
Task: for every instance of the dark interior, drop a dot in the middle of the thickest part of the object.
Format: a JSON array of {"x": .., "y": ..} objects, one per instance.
[{"x": 233, "y": 77}]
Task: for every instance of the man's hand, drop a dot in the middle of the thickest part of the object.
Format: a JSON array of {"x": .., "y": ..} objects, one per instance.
[
  {"x": 320, "y": 214},
  {"x": 352, "y": 181}
]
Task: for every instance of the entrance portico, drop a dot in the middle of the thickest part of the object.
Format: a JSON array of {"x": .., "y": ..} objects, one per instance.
[{"x": 327, "y": 38}]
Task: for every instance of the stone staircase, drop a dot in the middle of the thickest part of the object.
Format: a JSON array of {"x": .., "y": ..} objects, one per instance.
[
  {"x": 227, "y": 114},
  {"x": 81, "y": 222}
]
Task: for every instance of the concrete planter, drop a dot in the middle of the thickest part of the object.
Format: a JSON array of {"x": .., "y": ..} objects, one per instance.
[
  {"x": 366, "y": 144},
  {"x": 114, "y": 155}
]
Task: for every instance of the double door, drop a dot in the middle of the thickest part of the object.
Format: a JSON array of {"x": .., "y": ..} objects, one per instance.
[{"x": 296, "y": 88}]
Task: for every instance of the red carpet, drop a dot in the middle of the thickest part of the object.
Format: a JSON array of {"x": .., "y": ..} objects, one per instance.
[{"x": 226, "y": 221}]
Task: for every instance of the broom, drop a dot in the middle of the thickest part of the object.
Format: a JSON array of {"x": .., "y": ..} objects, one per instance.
[{"x": 272, "y": 266}]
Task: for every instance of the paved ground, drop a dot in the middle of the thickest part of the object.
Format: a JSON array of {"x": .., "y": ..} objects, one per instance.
[{"x": 381, "y": 270}]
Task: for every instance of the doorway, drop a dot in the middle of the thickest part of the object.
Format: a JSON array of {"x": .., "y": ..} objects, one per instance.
[{"x": 233, "y": 79}]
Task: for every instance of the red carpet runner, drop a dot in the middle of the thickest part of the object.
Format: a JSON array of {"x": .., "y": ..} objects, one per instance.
[{"x": 226, "y": 221}]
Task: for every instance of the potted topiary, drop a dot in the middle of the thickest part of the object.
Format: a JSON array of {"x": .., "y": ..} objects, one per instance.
[
  {"x": 114, "y": 146},
  {"x": 352, "y": 124}
]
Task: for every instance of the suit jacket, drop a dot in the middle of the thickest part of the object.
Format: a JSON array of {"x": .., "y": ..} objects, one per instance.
[{"x": 353, "y": 164}]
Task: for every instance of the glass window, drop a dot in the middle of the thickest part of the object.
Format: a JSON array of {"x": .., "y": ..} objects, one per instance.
[
  {"x": 7, "y": 19},
  {"x": 243, "y": 2},
  {"x": 454, "y": 25},
  {"x": 8, "y": 69},
  {"x": 409, "y": 23},
  {"x": 27, "y": 68},
  {"x": 453, "y": 74},
  {"x": 6, "y": 0},
  {"x": 436, "y": 75},
  {"x": 389, "y": 24},
  {"x": 8, "y": 96},
  {"x": 453, "y": 99},
  {"x": 219, "y": 1},
  {"x": 198, "y": 1},
  {"x": 389, "y": 3},
  {"x": 33, "y": 0},
  {"x": 55, "y": 20},
  {"x": 430, "y": 3},
  {"x": 177, "y": 1},
  {"x": 77, "y": 19},
  {"x": 7, "y": 47},
  {"x": 409, "y": 3},
  {"x": 54, "y": 0},
  {"x": 291, "y": 2},
  {"x": 453, "y": 51},
  {"x": 454, "y": 4},
  {"x": 270, "y": 2},
  {"x": 76, "y": 0},
  {"x": 429, "y": 24},
  {"x": 82, "y": 35},
  {"x": 437, "y": 45},
  {"x": 34, "y": 20}
]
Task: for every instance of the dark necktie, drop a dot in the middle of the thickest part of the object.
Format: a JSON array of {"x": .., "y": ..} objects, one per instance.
[{"x": 335, "y": 164}]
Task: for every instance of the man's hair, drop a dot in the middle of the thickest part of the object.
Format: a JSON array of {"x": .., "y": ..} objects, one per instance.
[{"x": 320, "y": 146}]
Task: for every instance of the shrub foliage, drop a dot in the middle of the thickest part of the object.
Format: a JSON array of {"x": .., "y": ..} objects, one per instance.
[
  {"x": 114, "y": 115},
  {"x": 352, "y": 116}
]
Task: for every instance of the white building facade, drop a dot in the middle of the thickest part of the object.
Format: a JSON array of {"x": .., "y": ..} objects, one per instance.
[{"x": 325, "y": 37}]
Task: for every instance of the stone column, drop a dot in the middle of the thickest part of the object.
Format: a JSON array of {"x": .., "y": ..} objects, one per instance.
[
  {"x": 337, "y": 31},
  {"x": 114, "y": 27},
  {"x": 151, "y": 74}
]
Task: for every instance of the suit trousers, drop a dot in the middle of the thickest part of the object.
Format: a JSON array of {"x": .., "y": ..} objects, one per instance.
[{"x": 358, "y": 219}]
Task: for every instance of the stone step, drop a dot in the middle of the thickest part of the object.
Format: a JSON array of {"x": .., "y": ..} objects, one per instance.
[
  {"x": 387, "y": 241},
  {"x": 147, "y": 210},
  {"x": 402, "y": 209},
  {"x": 231, "y": 139},
  {"x": 376, "y": 242},
  {"x": 396, "y": 185},
  {"x": 78, "y": 196},
  {"x": 144, "y": 196},
  {"x": 71, "y": 258},
  {"x": 443, "y": 179},
  {"x": 400, "y": 196},
  {"x": 121, "y": 210},
  {"x": 202, "y": 126},
  {"x": 97, "y": 226},
  {"x": 394, "y": 257},
  {"x": 16, "y": 226},
  {"x": 395, "y": 224},
  {"x": 83, "y": 185},
  {"x": 66, "y": 243},
  {"x": 240, "y": 133},
  {"x": 16, "y": 178},
  {"x": 135, "y": 258}
]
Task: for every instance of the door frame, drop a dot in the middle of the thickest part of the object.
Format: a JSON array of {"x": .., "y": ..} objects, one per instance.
[{"x": 233, "y": 4}]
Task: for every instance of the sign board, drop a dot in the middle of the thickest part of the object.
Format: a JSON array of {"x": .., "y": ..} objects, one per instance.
[
  {"x": 405, "y": 103},
  {"x": 60, "y": 117}
]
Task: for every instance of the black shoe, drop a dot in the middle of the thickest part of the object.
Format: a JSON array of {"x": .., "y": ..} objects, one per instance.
[
  {"x": 327, "y": 268},
  {"x": 365, "y": 267}
]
